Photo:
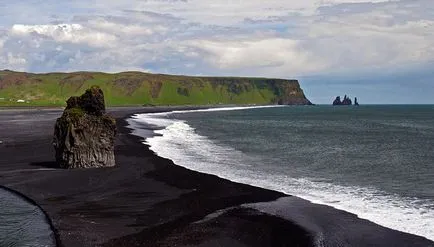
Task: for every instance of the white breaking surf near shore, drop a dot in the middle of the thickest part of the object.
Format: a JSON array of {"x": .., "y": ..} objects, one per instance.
[{"x": 178, "y": 141}]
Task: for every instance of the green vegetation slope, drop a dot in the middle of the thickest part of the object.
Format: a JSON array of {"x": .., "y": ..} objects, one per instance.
[{"x": 136, "y": 88}]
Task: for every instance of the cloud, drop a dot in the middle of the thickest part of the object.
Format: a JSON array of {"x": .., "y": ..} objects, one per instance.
[
  {"x": 2, "y": 41},
  {"x": 263, "y": 54},
  {"x": 278, "y": 39},
  {"x": 64, "y": 33}
]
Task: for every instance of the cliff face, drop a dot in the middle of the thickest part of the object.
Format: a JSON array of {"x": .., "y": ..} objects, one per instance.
[
  {"x": 289, "y": 92},
  {"x": 136, "y": 88}
]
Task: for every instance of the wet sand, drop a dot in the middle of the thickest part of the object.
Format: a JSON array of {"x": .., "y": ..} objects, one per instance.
[{"x": 146, "y": 200}]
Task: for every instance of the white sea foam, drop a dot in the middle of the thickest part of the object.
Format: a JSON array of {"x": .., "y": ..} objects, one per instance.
[{"x": 179, "y": 142}]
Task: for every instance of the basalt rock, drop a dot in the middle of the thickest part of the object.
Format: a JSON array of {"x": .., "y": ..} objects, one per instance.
[
  {"x": 345, "y": 101},
  {"x": 84, "y": 135},
  {"x": 356, "y": 103},
  {"x": 337, "y": 101}
]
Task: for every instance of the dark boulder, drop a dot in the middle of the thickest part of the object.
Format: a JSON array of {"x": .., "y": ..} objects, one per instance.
[{"x": 84, "y": 135}]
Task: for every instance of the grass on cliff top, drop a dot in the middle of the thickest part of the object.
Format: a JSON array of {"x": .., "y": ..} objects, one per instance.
[{"x": 133, "y": 89}]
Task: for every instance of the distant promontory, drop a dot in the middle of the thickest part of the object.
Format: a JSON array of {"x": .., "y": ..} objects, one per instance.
[{"x": 137, "y": 88}]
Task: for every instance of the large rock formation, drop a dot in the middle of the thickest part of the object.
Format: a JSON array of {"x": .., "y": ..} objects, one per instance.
[
  {"x": 346, "y": 101},
  {"x": 84, "y": 135}
]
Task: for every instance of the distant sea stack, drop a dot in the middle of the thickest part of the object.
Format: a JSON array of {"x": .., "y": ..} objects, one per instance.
[
  {"x": 84, "y": 135},
  {"x": 356, "y": 103},
  {"x": 345, "y": 101},
  {"x": 137, "y": 88}
]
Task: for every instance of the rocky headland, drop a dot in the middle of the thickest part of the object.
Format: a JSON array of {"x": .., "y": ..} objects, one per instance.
[{"x": 138, "y": 89}]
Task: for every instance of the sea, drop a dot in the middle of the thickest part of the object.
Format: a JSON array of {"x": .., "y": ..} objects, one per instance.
[
  {"x": 23, "y": 224},
  {"x": 375, "y": 161}
]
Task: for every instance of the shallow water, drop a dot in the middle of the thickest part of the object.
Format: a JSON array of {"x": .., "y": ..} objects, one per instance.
[
  {"x": 374, "y": 161},
  {"x": 22, "y": 223}
]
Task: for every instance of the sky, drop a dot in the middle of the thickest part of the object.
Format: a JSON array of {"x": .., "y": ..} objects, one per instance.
[{"x": 380, "y": 51}]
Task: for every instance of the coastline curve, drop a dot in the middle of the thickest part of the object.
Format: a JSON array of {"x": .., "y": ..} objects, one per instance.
[
  {"x": 46, "y": 218},
  {"x": 160, "y": 124}
]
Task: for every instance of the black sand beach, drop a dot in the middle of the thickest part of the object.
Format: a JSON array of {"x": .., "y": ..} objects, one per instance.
[{"x": 148, "y": 201}]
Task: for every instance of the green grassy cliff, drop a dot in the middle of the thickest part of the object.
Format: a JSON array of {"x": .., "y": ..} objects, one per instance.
[{"x": 136, "y": 88}]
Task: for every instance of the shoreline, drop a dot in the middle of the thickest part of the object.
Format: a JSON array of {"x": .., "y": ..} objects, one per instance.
[
  {"x": 185, "y": 155},
  {"x": 149, "y": 200},
  {"x": 47, "y": 218},
  {"x": 305, "y": 201},
  {"x": 115, "y": 206}
]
